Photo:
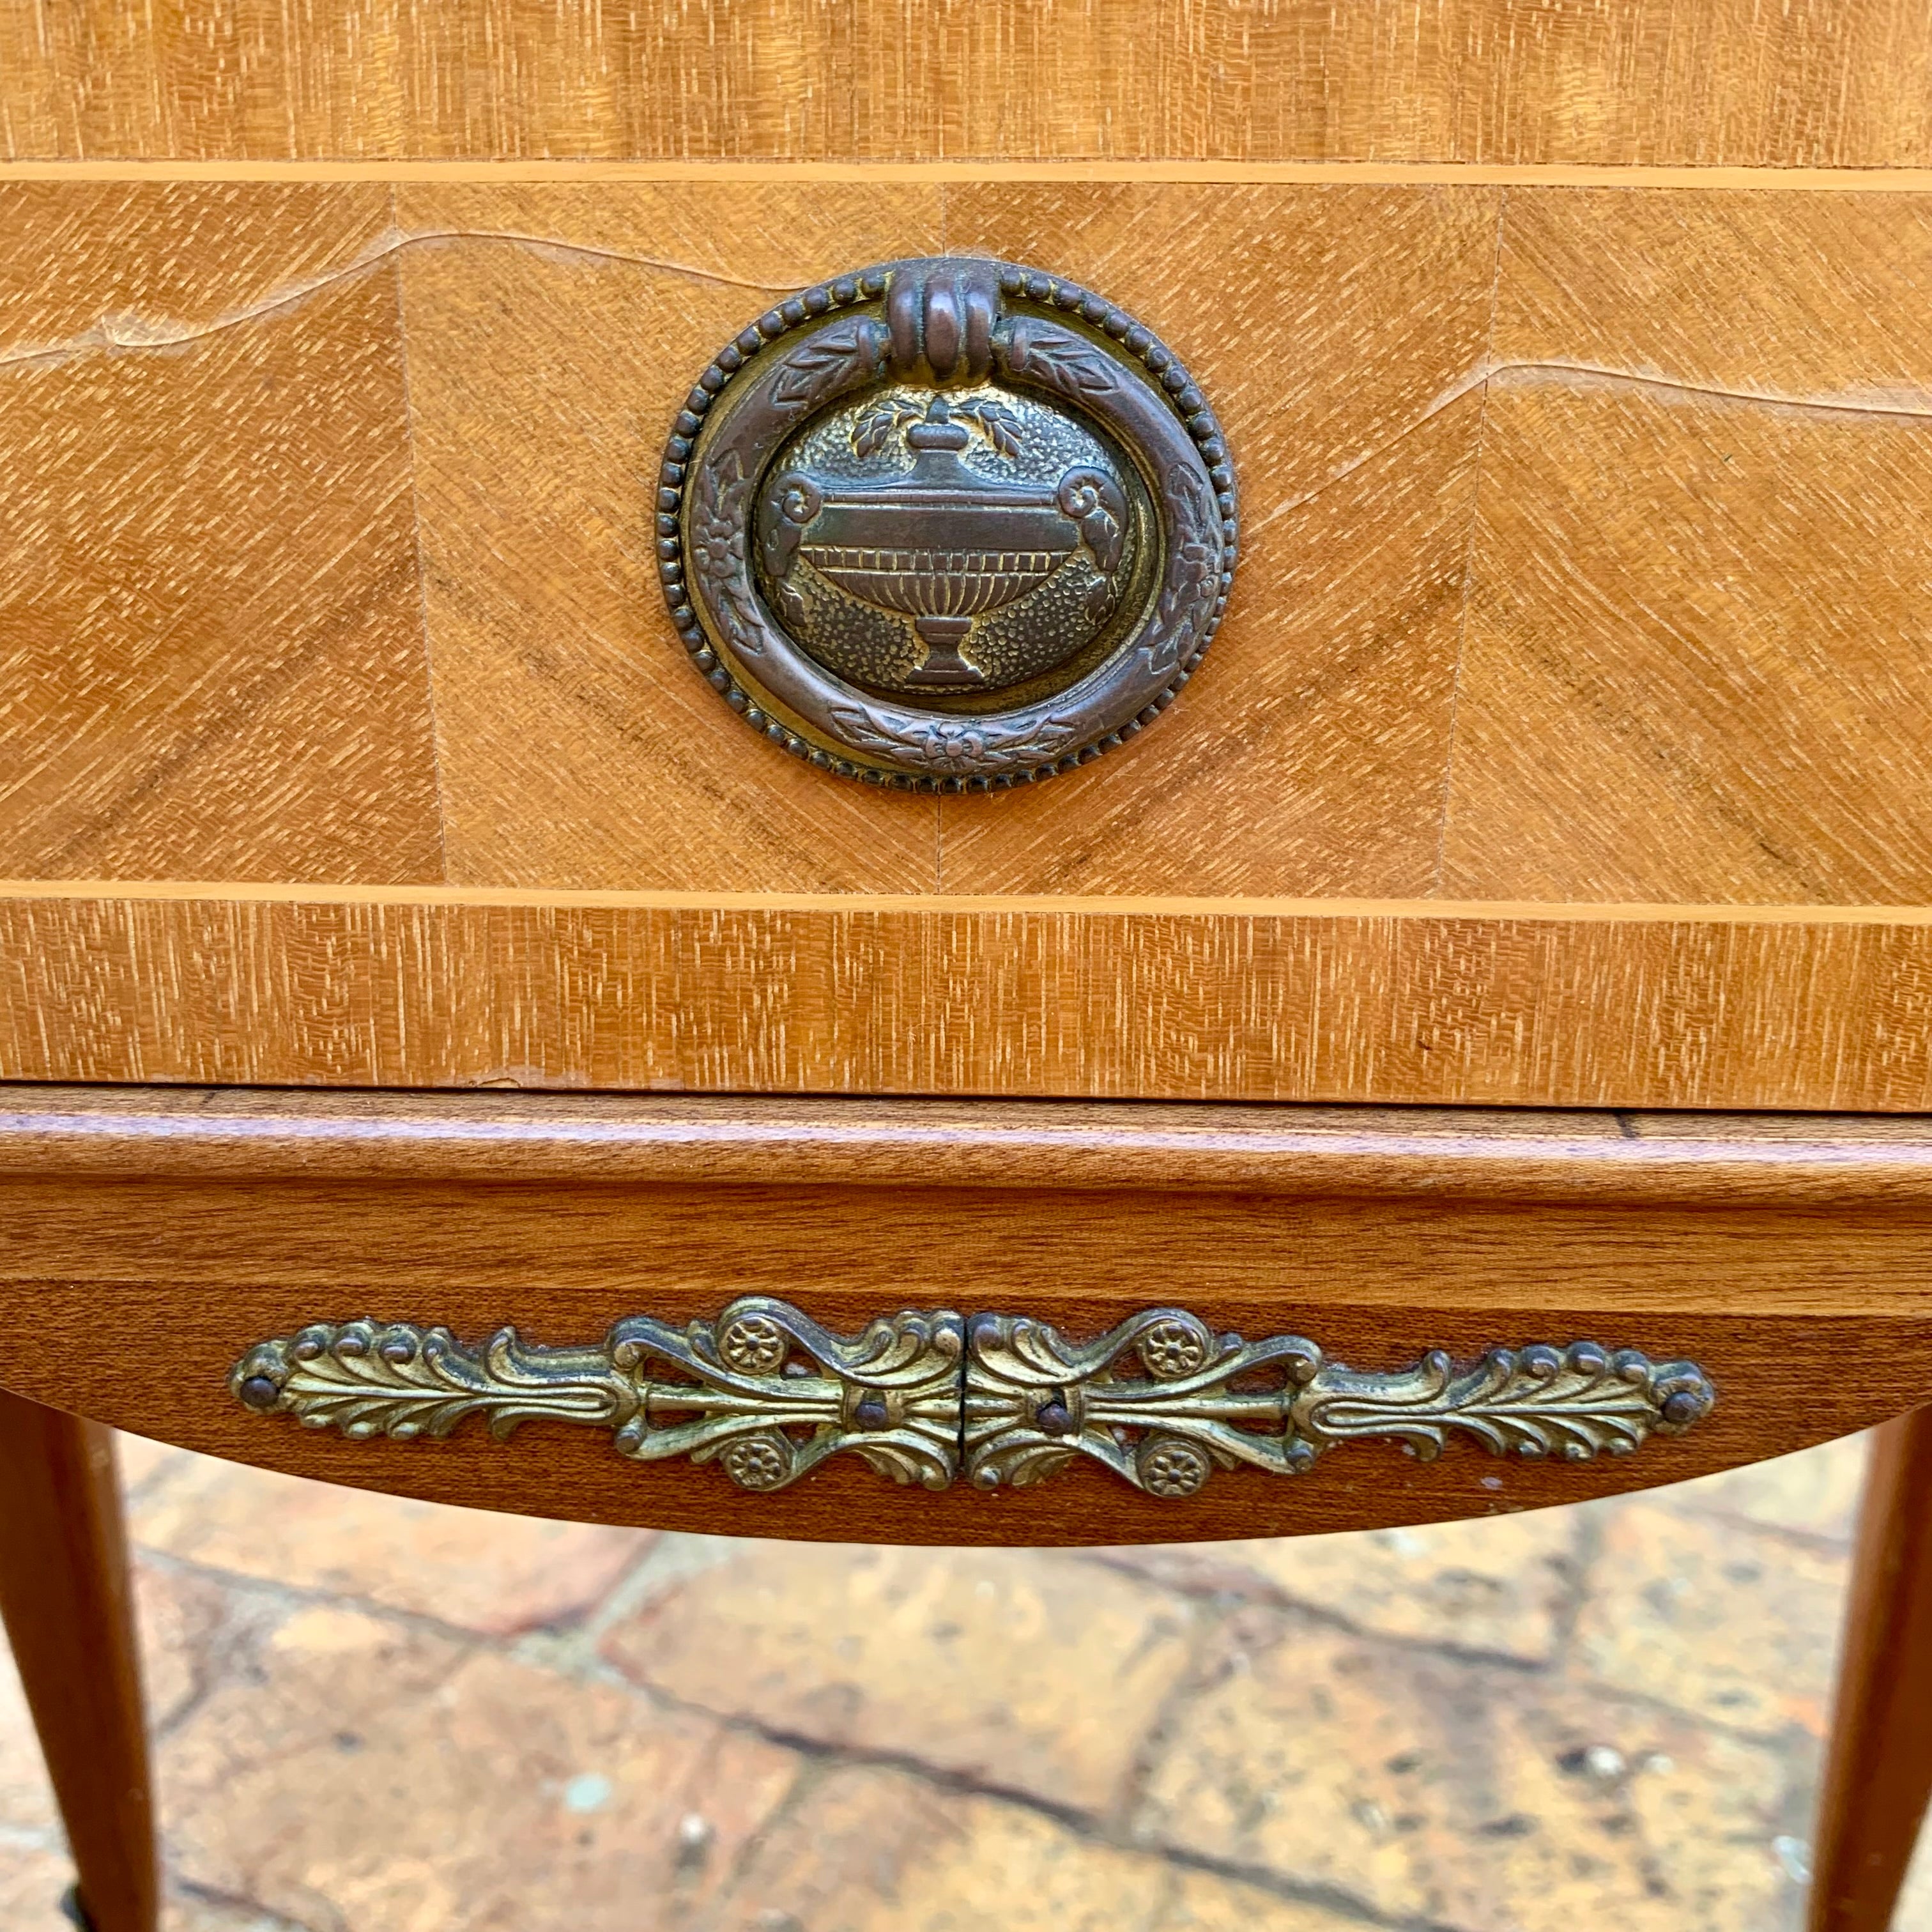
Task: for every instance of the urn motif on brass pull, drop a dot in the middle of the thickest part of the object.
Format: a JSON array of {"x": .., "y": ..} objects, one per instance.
[
  {"x": 946, "y": 524},
  {"x": 946, "y": 543}
]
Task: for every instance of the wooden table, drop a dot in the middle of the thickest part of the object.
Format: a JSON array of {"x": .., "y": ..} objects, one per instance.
[{"x": 1439, "y": 887}]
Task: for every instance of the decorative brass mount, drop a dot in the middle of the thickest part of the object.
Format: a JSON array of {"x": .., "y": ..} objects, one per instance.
[
  {"x": 1161, "y": 1399},
  {"x": 946, "y": 524}
]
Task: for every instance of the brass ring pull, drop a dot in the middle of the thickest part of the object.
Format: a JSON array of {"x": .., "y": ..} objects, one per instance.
[{"x": 946, "y": 525}]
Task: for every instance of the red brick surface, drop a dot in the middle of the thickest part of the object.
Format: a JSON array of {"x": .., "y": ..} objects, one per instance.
[{"x": 384, "y": 1717}]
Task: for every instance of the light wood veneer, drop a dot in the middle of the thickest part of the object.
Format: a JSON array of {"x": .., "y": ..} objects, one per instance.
[
  {"x": 1469, "y": 80},
  {"x": 1560, "y": 747}
]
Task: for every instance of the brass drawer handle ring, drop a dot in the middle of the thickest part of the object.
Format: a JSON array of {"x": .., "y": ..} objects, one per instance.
[{"x": 948, "y": 524}]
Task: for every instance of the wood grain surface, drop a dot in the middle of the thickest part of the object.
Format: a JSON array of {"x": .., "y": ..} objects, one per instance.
[
  {"x": 210, "y": 636},
  {"x": 1579, "y": 1157},
  {"x": 66, "y": 1601},
  {"x": 577, "y": 747},
  {"x": 1584, "y": 565},
  {"x": 166, "y": 1378},
  {"x": 136, "y": 1273},
  {"x": 1313, "y": 751},
  {"x": 1470, "y": 80},
  {"x": 1199, "y": 1000},
  {"x": 1878, "y": 1774},
  {"x": 1697, "y": 650},
  {"x": 1584, "y": 541}
]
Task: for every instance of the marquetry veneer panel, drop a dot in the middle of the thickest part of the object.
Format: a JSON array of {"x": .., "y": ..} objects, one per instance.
[{"x": 1585, "y": 549}]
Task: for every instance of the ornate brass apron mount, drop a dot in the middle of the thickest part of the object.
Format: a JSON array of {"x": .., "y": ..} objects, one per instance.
[{"x": 927, "y": 1396}]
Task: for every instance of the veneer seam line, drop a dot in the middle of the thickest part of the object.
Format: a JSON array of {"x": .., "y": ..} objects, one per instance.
[
  {"x": 1909, "y": 180},
  {"x": 1446, "y": 801}
]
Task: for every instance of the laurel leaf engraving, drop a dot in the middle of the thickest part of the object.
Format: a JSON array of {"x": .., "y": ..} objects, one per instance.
[
  {"x": 998, "y": 423},
  {"x": 880, "y": 424},
  {"x": 718, "y": 549},
  {"x": 1059, "y": 358},
  {"x": 1193, "y": 566},
  {"x": 962, "y": 748},
  {"x": 830, "y": 360}
]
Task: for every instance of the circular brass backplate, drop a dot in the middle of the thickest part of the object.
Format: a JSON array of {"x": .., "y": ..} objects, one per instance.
[{"x": 946, "y": 525}]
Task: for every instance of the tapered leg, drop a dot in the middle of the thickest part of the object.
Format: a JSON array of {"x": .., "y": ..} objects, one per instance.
[
  {"x": 1878, "y": 1775},
  {"x": 69, "y": 1613}
]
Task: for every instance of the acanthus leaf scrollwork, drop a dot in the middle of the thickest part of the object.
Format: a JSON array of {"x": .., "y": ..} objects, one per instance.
[
  {"x": 1034, "y": 1402},
  {"x": 769, "y": 1394},
  {"x": 1164, "y": 1401},
  {"x": 763, "y": 1390},
  {"x": 1161, "y": 1399}
]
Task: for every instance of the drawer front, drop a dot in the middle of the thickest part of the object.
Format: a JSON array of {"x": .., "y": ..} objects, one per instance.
[{"x": 1562, "y": 742}]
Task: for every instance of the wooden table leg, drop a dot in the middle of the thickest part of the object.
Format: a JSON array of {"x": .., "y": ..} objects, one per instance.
[
  {"x": 65, "y": 1598},
  {"x": 1878, "y": 1776}
]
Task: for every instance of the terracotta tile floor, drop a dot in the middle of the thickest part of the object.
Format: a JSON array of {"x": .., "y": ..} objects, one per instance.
[{"x": 378, "y": 1716}]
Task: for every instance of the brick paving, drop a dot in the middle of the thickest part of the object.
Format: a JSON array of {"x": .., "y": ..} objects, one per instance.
[{"x": 381, "y": 1716}]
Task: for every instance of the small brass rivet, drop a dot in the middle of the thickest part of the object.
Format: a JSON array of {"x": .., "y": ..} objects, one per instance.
[{"x": 1054, "y": 1417}]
